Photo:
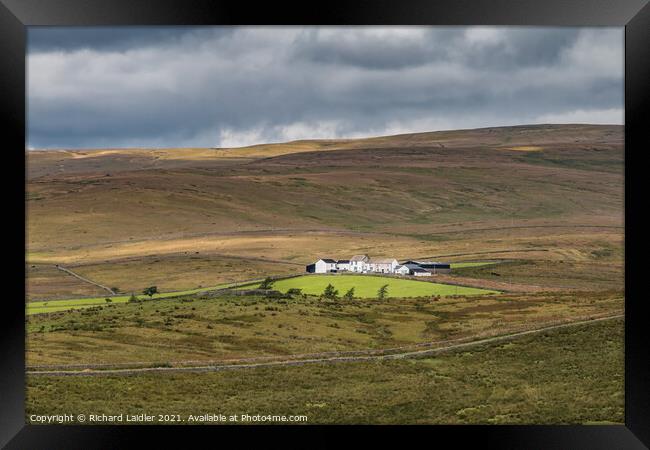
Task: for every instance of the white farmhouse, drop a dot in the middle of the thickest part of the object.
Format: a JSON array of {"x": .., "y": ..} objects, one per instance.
[
  {"x": 364, "y": 264},
  {"x": 324, "y": 266},
  {"x": 383, "y": 265},
  {"x": 358, "y": 263}
]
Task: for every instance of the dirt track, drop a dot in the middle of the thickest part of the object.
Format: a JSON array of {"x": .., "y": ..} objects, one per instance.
[
  {"x": 294, "y": 361},
  {"x": 85, "y": 280}
]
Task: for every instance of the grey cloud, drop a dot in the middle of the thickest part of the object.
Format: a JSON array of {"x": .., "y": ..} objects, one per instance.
[
  {"x": 520, "y": 48},
  {"x": 43, "y": 38},
  {"x": 515, "y": 47},
  {"x": 216, "y": 86},
  {"x": 354, "y": 47}
]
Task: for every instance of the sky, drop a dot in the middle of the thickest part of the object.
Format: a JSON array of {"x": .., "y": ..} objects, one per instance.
[{"x": 235, "y": 86}]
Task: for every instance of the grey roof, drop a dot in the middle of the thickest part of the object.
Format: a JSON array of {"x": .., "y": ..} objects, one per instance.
[
  {"x": 423, "y": 262},
  {"x": 359, "y": 258},
  {"x": 440, "y": 265},
  {"x": 343, "y": 261},
  {"x": 418, "y": 270},
  {"x": 328, "y": 260},
  {"x": 382, "y": 260}
]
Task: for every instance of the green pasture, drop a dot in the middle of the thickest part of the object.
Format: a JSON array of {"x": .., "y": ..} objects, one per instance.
[
  {"x": 78, "y": 303},
  {"x": 366, "y": 286}
]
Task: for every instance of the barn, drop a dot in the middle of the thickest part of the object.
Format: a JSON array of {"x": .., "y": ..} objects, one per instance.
[
  {"x": 325, "y": 265},
  {"x": 432, "y": 266}
]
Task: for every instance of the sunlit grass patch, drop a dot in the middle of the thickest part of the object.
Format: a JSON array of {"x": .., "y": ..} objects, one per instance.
[{"x": 367, "y": 286}]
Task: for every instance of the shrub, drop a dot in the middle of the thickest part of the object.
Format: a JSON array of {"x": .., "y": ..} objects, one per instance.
[
  {"x": 267, "y": 283},
  {"x": 161, "y": 364},
  {"x": 150, "y": 291},
  {"x": 330, "y": 292}
]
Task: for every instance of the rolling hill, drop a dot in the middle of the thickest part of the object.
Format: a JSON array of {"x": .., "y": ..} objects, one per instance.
[{"x": 182, "y": 218}]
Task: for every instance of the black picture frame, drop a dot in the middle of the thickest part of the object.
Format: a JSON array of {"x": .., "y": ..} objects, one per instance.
[{"x": 16, "y": 15}]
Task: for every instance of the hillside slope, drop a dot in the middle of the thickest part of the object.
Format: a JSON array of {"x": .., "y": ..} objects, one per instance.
[{"x": 422, "y": 194}]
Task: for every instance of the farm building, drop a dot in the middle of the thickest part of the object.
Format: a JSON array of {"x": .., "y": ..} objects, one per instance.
[
  {"x": 325, "y": 266},
  {"x": 402, "y": 270},
  {"x": 432, "y": 266},
  {"x": 417, "y": 272},
  {"x": 410, "y": 266},
  {"x": 358, "y": 263},
  {"x": 343, "y": 264},
  {"x": 382, "y": 265},
  {"x": 365, "y": 264}
]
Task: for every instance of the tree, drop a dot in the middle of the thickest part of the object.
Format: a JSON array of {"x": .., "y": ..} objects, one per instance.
[
  {"x": 294, "y": 291},
  {"x": 382, "y": 292},
  {"x": 150, "y": 291},
  {"x": 267, "y": 283},
  {"x": 349, "y": 295},
  {"x": 330, "y": 292},
  {"x": 108, "y": 300}
]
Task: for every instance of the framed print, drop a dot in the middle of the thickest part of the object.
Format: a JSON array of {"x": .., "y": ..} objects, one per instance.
[{"x": 354, "y": 217}]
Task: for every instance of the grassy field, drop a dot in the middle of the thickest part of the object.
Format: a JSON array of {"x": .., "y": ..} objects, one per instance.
[
  {"x": 526, "y": 381},
  {"x": 41, "y": 307},
  {"x": 46, "y": 281},
  {"x": 367, "y": 286},
  {"x": 182, "y": 272},
  {"x": 585, "y": 274},
  {"x": 227, "y": 327}
]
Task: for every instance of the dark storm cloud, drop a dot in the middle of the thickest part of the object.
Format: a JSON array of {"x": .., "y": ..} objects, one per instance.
[
  {"x": 376, "y": 49},
  {"x": 523, "y": 47},
  {"x": 221, "y": 86}
]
